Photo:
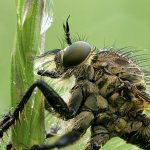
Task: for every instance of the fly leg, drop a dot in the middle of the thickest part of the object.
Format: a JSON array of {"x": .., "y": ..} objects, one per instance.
[
  {"x": 138, "y": 132},
  {"x": 9, "y": 146},
  {"x": 53, "y": 131},
  {"x": 51, "y": 74},
  {"x": 52, "y": 97},
  {"x": 6, "y": 117},
  {"x": 99, "y": 137},
  {"x": 80, "y": 124}
]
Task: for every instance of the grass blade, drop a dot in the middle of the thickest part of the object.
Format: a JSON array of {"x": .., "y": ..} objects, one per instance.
[{"x": 31, "y": 129}]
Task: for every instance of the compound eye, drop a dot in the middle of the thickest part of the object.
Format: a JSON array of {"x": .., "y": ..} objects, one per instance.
[{"x": 76, "y": 54}]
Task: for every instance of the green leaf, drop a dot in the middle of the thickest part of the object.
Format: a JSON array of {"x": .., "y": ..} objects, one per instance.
[{"x": 29, "y": 40}]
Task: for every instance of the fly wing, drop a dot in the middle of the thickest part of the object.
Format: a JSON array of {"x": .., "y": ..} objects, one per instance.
[
  {"x": 143, "y": 96},
  {"x": 137, "y": 93}
]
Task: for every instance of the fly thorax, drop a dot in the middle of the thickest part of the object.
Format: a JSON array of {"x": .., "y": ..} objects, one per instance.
[
  {"x": 89, "y": 88},
  {"x": 110, "y": 66},
  {"x": 107, "y": 84},
  {"x": 84, "y": 72}
]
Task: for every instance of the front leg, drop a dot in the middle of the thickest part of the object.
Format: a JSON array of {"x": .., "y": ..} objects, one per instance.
[
  {"x": 51, "y": 74},
  {"x": 52, "y": 97}
]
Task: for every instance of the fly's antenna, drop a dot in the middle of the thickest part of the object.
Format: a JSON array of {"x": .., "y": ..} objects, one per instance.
[{"x": 67, "y": 33}]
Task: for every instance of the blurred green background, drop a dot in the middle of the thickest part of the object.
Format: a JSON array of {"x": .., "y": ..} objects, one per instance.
[{"x": 125, "y": 22}]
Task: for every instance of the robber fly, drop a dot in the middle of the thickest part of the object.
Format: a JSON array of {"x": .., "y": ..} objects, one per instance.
[{"x": 109, "y": 95}]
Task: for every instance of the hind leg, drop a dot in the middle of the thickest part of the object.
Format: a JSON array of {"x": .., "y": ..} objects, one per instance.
[{"x": 79, "y": 126}]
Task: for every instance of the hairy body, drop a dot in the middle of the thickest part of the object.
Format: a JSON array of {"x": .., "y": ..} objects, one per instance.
[{"x": 110, "y": 104}]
